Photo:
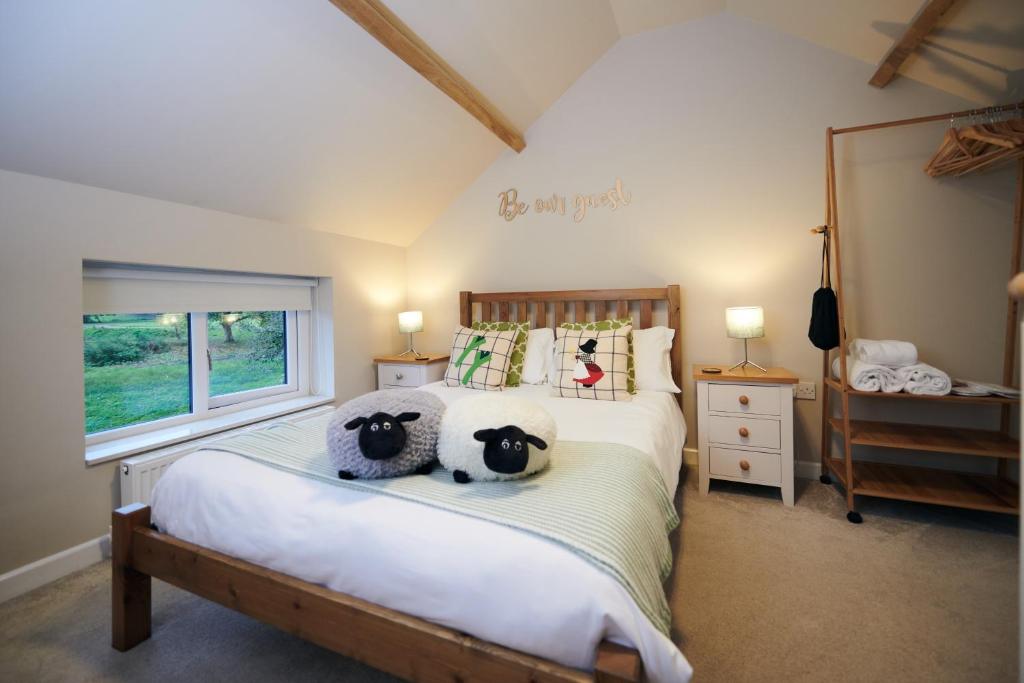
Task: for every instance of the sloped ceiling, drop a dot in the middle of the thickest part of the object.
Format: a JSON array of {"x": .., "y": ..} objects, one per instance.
[
  {"x": 290, "y": 112},
  {"x": 635, "y": 16},
  {"x": 286, "y": 111},
  {"x": 976, "y": 52}
]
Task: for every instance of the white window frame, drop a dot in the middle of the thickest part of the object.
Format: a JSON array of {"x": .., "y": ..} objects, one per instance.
[
  {"x": 299, "y": 361},
  {"x": 291, "y": 366}
]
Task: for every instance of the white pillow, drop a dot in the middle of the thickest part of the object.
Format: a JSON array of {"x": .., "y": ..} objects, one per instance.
[
  {"x": 652, "y": 359},
  {"x": 540, "y": 349}
]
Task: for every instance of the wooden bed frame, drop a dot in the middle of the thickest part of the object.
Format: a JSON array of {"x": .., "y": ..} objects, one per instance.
[{"x": 402, "y": 645}]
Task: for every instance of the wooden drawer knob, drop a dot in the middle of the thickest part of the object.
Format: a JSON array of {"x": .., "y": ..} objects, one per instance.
[
  {"x": 744, "y": 400},
  {"x": 744, "y": 465},
  {"x": 744, "y": 432}
]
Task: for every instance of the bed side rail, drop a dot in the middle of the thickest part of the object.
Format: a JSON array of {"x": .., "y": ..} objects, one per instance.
[{"x": 402, "y": 645}]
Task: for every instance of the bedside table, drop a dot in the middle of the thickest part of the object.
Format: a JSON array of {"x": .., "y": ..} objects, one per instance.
[
  {"x": 745, "y": 427},
  {"x": 410, "y": 371}
]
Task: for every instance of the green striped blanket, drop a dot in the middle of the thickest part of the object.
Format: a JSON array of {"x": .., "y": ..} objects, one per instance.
[{"x": 604, "y": 502}]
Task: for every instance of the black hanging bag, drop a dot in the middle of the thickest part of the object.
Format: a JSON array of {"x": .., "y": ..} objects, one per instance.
[{"x": 824, "y": 329}]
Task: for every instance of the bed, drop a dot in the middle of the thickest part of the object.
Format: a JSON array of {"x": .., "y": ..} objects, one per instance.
[{"x": 416, "y": 602}]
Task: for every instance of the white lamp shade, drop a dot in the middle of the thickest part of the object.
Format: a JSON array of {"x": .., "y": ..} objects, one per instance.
[
  {"x": 410, "y": 321},
  {"x": 744, "y": 322}
]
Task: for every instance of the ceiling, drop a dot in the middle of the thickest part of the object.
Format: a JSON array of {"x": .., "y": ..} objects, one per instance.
[
  {"x": 286, "y": 111},
  {"x": 976, "y": 51},
  {"x": 290, "y": 112}
]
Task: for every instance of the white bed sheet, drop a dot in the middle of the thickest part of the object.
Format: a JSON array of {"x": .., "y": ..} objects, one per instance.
[{"x": 496, "y": 583}]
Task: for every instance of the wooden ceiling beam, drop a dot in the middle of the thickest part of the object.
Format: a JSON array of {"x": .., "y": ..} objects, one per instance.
[
  {"x": 392, "y": 33},
  {"x": 927, "y": 17}
]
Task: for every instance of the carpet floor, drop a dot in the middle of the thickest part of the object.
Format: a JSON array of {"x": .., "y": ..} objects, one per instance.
[{"x": 760, "y": 592}]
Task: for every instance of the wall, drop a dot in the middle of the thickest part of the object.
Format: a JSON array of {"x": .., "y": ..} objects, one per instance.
[
  {"x": 717, "y": 128},
  {"x": 49, "y": 499}
]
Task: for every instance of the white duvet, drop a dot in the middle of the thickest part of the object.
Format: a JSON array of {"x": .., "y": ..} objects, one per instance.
[{"x": 491, "y": 581}]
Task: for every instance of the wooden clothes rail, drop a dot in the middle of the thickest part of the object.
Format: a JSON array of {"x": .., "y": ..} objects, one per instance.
[{"x": 997, "y": 492}]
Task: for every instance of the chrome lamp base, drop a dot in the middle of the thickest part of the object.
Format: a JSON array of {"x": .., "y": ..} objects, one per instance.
[
  {"x": 746, "y": 361},
  {"x": 411, "y": 350}
]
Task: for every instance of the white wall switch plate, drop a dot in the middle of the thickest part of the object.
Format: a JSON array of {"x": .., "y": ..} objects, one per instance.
[{"x": 805, "y": 390}]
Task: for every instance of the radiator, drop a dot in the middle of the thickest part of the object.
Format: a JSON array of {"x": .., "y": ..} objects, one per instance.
[{"x": 140, "y": 473}]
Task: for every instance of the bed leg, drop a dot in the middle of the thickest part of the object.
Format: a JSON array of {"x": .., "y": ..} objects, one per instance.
[
  {"x": 617, "y": 664},
  {"x": 130, "y": 590}
]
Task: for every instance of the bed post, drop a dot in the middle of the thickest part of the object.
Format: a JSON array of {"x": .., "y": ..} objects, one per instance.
[
  {"x": 130, "y": 614},
  {"x": 465, "y": 309},
  {"x": 617, "y": 664},
  {"x": 672, "y": 296}
]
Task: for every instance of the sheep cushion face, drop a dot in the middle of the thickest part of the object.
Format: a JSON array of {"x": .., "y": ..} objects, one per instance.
[
  {"x": 381, "y": 436},
  {"x": 386, "y": 433},
  {"x": 493, "y": 438}
]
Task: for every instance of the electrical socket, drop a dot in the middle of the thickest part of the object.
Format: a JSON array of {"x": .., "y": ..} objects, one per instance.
[{"x": 805, "y": 390}]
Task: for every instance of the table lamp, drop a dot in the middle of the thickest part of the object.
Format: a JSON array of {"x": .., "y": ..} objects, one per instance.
[
  {"x": 745, "y": 322},
  {"x": 409, "y": 322}
]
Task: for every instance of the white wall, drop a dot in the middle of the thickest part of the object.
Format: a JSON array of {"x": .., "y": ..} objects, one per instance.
[
  {"x": 49, "y": 499},
  {"x": 717, "y": 128}
]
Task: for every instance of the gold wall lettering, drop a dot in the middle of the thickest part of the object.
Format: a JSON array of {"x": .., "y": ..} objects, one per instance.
[{"x": 510, "y": 207}]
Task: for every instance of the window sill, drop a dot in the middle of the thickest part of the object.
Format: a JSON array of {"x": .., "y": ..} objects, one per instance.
[{"x": 160, "y": 438}]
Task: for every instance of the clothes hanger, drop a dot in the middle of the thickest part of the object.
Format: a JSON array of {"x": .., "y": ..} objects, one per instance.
[{"x": 980, "y": 142}]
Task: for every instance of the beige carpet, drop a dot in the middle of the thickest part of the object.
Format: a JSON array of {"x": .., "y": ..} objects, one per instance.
[{"x": 760, "y": 593}]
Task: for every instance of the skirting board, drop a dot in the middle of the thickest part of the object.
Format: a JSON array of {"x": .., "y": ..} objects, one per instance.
[
  {"x": 42, "y": 572},
  {"x": 802, "y": 469}
]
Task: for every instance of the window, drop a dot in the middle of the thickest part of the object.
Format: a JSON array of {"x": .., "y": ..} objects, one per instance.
[
  {"x": 246, "y": 351},
  {"x": 136, "y": 369},
  {"x": 161, "y": 348}
]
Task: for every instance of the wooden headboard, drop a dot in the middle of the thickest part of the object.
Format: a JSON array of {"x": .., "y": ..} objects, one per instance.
[{"x": 579, "y": 306}]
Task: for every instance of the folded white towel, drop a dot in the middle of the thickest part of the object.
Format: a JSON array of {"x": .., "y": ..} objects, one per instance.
[
  {"x": 922, "y": 378},
  {"x": 869, "y": 377},
  {"x": 888, "y": 352}
]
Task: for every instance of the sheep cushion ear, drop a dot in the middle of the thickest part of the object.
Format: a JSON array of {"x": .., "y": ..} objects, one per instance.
[
  {"x": 356, "y": 423},
  {"x": 407, "y": 417},
  {"x": 484, "y": 434},
  {"x": 537, "y": 441}
]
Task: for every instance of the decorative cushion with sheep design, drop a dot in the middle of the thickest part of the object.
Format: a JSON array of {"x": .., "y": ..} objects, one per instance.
[
  {"x": 495, "y": 437},
  {"x": 387, "y": 433},
  {"x": 515, "y": 363}
]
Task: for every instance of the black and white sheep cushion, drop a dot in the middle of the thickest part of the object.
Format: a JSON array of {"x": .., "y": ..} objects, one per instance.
[
  {"x": 495, "y": 438},
  {"x": 386, "y": 433}
]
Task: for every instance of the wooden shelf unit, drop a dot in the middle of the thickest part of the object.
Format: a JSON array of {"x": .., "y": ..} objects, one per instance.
[
  {"x": 948, "y": 398},
  {"x": 996, "y": 492},
  {"x": 929, "y": 485},
  {"x": 920, "y": 437}
]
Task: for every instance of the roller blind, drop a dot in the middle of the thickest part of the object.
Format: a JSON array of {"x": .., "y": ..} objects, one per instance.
[{"x": 120, "y": 289}]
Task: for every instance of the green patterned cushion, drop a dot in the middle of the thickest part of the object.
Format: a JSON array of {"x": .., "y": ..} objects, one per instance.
[
  {"x": 515, "y": 365},
  {"x": 614, "y": 324}
]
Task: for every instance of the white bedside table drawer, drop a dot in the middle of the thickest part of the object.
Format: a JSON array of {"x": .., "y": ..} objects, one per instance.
[
  {"x": 763, "y": 468},
  {"x": 410, "y": 376},
  {"x": 743, "y": 431},
  {"x": 743, "y": 398}
]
